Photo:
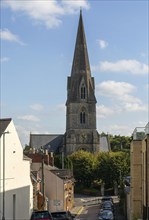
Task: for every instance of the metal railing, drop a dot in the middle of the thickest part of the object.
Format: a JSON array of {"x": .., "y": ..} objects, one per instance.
[{"x": 140, "y": 132}]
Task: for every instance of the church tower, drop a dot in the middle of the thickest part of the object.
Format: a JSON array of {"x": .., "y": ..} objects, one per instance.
[{"x": 81, "y": 130}]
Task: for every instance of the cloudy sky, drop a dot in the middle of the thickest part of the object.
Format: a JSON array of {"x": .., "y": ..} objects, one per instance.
[{"x": 37, "y": 46}]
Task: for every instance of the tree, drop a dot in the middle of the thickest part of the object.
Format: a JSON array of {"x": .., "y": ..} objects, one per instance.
[
  {"x": 27, "y": 149},
  {"x": 58, "y": 162},
  {"x": 112, "y": 167},
  {"x": 120, "y": 143},
  {"x": 83, "y": 167}
]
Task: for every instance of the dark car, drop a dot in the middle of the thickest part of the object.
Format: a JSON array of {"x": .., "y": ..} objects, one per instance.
[
  {"x": 106, "y": 206},
  {"x": 41, "y": 215},
  {"x": 107, "y": 203},
  {"x": 62, "y": 215},
  {"x": 107, "y": 198}
]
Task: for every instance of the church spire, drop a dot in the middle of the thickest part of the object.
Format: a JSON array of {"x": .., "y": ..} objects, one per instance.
[{"x": 80, "y": 59}]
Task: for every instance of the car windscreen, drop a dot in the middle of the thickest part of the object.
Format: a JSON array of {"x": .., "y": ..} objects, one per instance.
[
  {"x": 40, "y": 215},
  {"x": 59, "y": 215}
]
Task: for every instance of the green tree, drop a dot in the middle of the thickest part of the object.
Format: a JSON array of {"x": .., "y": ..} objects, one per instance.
[
  {"x": 58, "y": 162},
  {"x": 27, "y": 149},
  {"x": 83, "y": 167},
  {"x": 120, "y": 143},
  {"x": 112, "y": 167}
]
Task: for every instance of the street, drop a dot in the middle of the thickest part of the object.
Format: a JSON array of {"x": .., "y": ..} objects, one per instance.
[
  {"x": 91, "y": 207},
  {"x": 89, "y": 213}
]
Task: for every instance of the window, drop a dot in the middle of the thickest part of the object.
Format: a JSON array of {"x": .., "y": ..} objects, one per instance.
[
  {"x": 82, "y": 117},
  {"x": 83, "y": 91}
]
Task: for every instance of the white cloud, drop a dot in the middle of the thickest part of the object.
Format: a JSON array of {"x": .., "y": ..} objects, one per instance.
[
  {"x": 135, "y": 107},
  {"x": 124, "y": 66},
  {"x": 37, "y": 107},
  {"x": 110, "y": 88},
  {"x": 103, "y": 111},
  {"x": 117, "y": 129},
  {"x": 29, "y": 118},
  {"x": 103, "y": 44},
  {"x": 47, "y": 13},
  {"x": 120, "y": 93},
  {"x": 122, "y": 129},
  {"x": 5, "y": 34},
  {"x": 4, "y": 59},
  {"x": 73, "y": 5}
]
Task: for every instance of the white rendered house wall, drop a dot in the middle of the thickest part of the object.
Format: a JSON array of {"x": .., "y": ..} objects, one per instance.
[{"x": 18, "y": 186}]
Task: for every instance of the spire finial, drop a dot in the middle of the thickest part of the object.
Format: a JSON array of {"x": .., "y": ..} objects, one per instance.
[{"x": 80, "y": 10}]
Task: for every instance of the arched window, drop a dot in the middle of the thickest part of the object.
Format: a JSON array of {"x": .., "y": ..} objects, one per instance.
[
  {"x": 83, "y": 91},
  {"x": 82, "y": 117}
]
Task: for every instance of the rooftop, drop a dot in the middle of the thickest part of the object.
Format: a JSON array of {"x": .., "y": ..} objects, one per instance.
[{"x": 139, "y": 133}]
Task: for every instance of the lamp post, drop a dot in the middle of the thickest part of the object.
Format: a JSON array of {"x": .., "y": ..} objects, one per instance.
[
  {"x": 43, "y": 178},
  {"x": 7, "y": 132}
]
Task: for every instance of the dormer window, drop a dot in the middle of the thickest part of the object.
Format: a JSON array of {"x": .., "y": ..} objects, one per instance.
[{"x": 83, "y": 91}]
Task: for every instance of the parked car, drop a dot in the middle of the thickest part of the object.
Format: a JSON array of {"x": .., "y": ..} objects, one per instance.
[
  {"x": 62, "y": 215},
  {"x": 107, "y": 198},
  {"x": 106, "y": 206},
  {"x": 41, "y": 215},
  {"x": 106, "y": 215}
]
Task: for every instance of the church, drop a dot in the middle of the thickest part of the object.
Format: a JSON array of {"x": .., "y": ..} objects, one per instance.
[{"x": 81, "y": 133}]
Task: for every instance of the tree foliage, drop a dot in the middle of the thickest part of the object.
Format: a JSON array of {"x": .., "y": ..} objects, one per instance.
[
  {"x": 105, "y": 167},
  {"x": 83, "y": 167},
  {"x": 66, "y": 162},
  {"x": 112, "y": 167},
  {"x": 120, "y": 143}
]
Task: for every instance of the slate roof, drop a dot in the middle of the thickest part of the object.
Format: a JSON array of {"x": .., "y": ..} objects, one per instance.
[
  {"x": 52, "y": 142},
  {"x": 104, "y": 143},
  {"x": 63, "y": 173},
  {"x": 4, "y": 124}
]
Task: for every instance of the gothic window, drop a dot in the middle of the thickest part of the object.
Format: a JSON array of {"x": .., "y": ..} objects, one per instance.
[
  {"x": 83, "y": 91},
  {"x": 82, "y": 117}
]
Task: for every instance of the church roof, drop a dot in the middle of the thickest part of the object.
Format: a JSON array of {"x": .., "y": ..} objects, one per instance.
[
  {"x": 80, "y": 60},
  {"x": 52, "y": 142},
  {"x": 104, "y": 143}
]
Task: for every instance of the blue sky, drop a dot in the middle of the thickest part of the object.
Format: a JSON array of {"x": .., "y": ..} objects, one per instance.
[{"x": 37, "y": 46}]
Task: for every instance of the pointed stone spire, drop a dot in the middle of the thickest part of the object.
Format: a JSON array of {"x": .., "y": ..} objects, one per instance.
[{"x": 80, "y": 60}]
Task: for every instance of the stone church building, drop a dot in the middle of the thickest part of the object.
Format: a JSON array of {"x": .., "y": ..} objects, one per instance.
[{"x": 81, "y": 130}]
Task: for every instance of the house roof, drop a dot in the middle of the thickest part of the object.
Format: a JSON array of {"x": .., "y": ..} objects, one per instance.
[
  {"x": 26, "y": 157},
  {"x": 63, "y": 173},
  {"x": 52, "y": 142},
  {"x": 4, "y": 124}
]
